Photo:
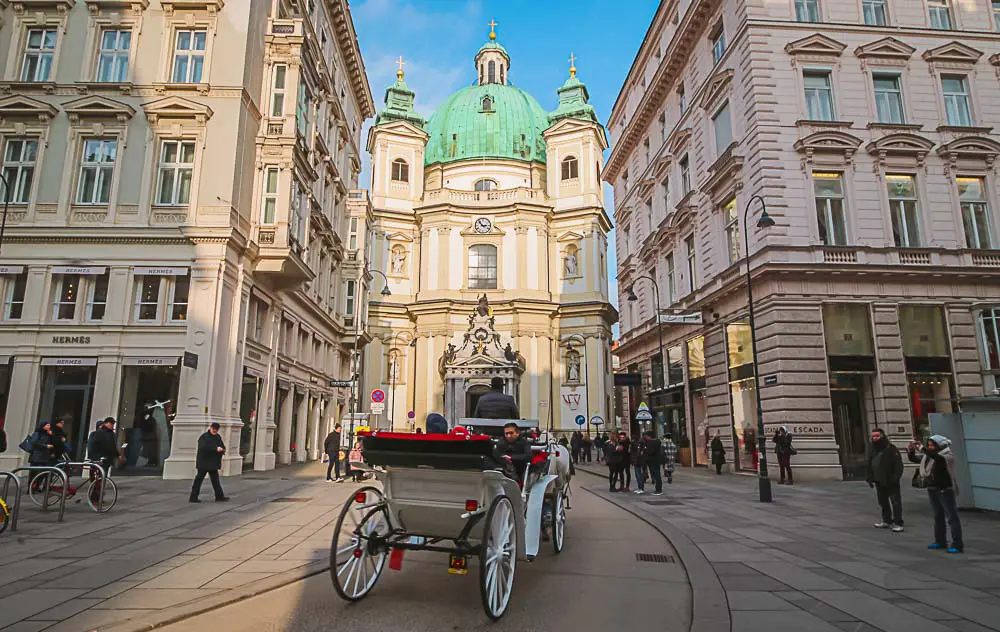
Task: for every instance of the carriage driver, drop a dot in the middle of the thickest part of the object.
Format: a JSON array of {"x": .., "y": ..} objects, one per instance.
[{"x": 514, "y": 450}]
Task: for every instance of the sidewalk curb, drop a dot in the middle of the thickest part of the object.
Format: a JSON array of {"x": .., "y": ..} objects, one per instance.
[
  {"x": 202, "y": 605},
  {"x": 710, "y": 606}
]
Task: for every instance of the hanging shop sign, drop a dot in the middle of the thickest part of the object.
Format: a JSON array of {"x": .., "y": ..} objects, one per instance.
[
  {"x": 158, "y": 271},
  {"x": 80, "y": 270},
  {"x": 684, "y": 318}
]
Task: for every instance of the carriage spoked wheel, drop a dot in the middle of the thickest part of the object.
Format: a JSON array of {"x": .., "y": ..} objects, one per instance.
[
  {"x": 358, "y": 553},
  {"x": 558, "y": 521},
  {"x": 497, "y": 557}
]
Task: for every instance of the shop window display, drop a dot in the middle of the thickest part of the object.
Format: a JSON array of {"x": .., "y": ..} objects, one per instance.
[{"x": 145, "y": 415}]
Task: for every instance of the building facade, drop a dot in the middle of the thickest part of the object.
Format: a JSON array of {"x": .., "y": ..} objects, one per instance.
[
  {"x": 490, "y": 227},
  {"x": 869, "y": 130},
  {"x": 180, "y": 173}
]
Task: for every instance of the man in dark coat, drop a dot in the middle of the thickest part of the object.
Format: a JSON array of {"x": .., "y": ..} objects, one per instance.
[
  {"x": 102, "y": 445},
  {"x": 514, "y": 451},
  {"x": 60, "y": 440},
  {"x": 209, "y": 461},
  {"x": 885, "y": 469},
  {"x": 331, "y": 445},
  {"x": 495, "y": 404},
  {"x": 651, "y": 449}
]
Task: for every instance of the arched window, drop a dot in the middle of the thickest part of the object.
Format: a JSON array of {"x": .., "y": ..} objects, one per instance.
[
  {"x": 491, "y": 72},
  {"x": 483, "y": 267},
  {"x": 400, "y": 170},
  {"x": 481, "y": 66},
  {"x": 485, "y": 184},
  {"x": 570, "y": 168},
  {"x": 501, "y": 73},
  {"x": 487, "y": 104}
]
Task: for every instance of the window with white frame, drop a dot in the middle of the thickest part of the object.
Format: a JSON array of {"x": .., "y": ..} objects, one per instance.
[
  {"x": 875, "y": 12},
  {"x": 66, "y": 293},
  {"x": 671, "y": 283},
  {"x": 819, "y": 95},
  {"x": 682, "y": 99},
  {"x": 97, "y": 164},
  {"x": 692, "y": 261},
  {"x": 349, "y": 298},
  {"x": 975, "y": 212},
  {"x": 278, "y": 76},
  {"x": 303, "y": 110},
  {"x": 569, "y": 168},
  {"x": 889, "y": 97},
  {"x": 807, "y": 11},
  {"x": 730, "y": 217},
  {"x": 665, "y": 187},
  {"x": 13, "y": 300},
  {"x": 180, "y": 289},
  {"x": 269, "y": 203},
  {"x": 19, "y": 157},
  {"x": 831, "y": 208},
  {"x": 400, "y": 170},
  {"x": 718, "y": 42},
  {"x": 904, "y": 209},
  {"x": 97, "y": 296},
  {"x": 296, "y": 216},
  {"x": 685, "y": 168},
  {"x": 663, "y": 128},
  {"x": 258, "y": 319},
  {"x": 485, "y": 184},
  {"x": 483, "y": 267},
  {"x": 174, "y": 173},
  {"x": 957, "y": 107},
  {"x": 989, "y": 331},
  {"x": 722, "y": 125},
  {"x": 939, "y": 12},
  {"x": 112, "y": 57},
  {"x": 996, "y": 14},
  {"x": 39, "y": 53},
  {"x": 645, "y": 148},
  {"x": 189, "y": 56},
  {"x": 147, "y": 298},
  {"x": 352, "y": 237}
]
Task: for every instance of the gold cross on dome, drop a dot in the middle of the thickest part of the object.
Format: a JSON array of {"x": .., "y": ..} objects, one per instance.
[
  {"x": 572, "y": 64},
  {"x": 400, "y": 63},
  {"x": 493, "y": 27}
]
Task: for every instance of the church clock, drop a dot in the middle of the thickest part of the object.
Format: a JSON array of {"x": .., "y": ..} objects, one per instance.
[{"x": 483, "y": 225}]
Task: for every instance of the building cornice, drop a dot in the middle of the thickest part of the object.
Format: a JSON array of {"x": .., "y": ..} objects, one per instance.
[{"x": 349, "y": 47}]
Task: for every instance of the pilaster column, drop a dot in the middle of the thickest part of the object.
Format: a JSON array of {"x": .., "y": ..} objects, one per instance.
[
  {"x": 264, "y": 457},
  {"x": 285, "y": 428},
  {"x": 107, "y": 390},
  {"x": 301, "y": 428},
  {"x": 22, "y": 409},
  {"x": 314, "y": 424}
]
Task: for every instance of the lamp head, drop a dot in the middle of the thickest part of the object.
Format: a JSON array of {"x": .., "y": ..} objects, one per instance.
[
  {"x": 386, "y": 292},
  {"x": 765, "y": 221},
  {"x": 631, "y": 295}
]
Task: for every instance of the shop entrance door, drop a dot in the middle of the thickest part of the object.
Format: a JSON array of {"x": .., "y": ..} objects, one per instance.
[
  {"x": 850, "y": 430},
  {"x": 69, "y": 392},
  {"x": 249, "y": 411}
]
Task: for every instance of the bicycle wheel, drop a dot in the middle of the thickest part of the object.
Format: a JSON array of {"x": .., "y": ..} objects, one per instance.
[
  {"x": 36, "y": 490},
  {"x": 4, "y": 516},
  {"x": 110, "y": 495}
]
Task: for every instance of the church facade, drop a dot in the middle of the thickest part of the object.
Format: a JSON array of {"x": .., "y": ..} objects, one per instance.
[{"x": 489, "y": 224}]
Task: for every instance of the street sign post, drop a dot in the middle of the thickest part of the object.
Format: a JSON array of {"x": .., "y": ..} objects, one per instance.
[
  {"x": 378, "y": 396},
  {"x": 683, "y": 318},
  {"x": 580, "y": 420},
  {"x": 643, "y": 415},
  {"x": 340, "y": 383},
  {"x": 377, "y": 408}
]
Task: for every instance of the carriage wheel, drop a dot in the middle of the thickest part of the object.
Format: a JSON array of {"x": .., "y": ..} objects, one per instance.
[
  {"x": 497, "y": 556},
  {"x": 355, "y": 563},
  {"x": 558, "y": 522}
]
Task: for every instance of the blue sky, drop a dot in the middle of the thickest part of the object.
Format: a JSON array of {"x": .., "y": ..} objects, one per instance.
[{"x": 438, "y": 39}]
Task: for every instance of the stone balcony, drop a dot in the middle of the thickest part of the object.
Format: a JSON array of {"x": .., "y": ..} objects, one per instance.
[
  {"x": 484, "y": 199},
  {"x": 280, "y": 256}
]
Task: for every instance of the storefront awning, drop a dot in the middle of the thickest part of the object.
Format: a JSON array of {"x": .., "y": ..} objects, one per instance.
[{"x": 152, "y": 361}]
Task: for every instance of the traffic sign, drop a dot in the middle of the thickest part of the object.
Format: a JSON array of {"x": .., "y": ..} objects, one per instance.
[
  {"x": 580, "y": 420},
  {"x": 411, "y": 415},
  {"x": 596, "y": 420},
  {"x": 378, "y": 396},
  {"x": 643, "y": 407},
  {"x": 377, "y": 408},
  {"x": 643, "y": 415},
  {"x": 340, "y": 383}
]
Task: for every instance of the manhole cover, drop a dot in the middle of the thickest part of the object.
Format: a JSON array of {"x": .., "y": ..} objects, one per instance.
[
  {"x": 659, "y": 503},
  {"x": 656, "y": 558},
  {"x": 291, "y": 500}
]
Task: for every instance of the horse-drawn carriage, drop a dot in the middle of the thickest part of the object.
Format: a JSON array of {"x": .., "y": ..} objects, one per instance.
[{"x": 449, "y": 493}]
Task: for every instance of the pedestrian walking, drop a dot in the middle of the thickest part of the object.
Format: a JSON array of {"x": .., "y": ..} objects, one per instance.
[
  {"x": 718, "y": 453},
  {"x": 783, "y": 450},
  {"x": 653, "y": 450},
  {"x": 668, "y": 456},
  {"x": 40, "y": 446},
  {"x": 60, "y": 440},
  {"x": 885, "y": 469},
  {"x": 575, "y": 446},
  {"x": 599, "y": 443},
  {"x": 588, "y": 447},
  {"x": 625, "y": 471},
  {"x": 937, "y": 474},
  {"x": 637, "y": 459},
  {"x": 209, "y": 462},
  {"x": 612, "y": 456},
  {"x": 102, "y": 444},
  {"x": 331, "y": 445}
]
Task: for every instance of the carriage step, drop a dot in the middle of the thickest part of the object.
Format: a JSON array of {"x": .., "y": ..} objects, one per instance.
[{"x": 458, "y": 564}]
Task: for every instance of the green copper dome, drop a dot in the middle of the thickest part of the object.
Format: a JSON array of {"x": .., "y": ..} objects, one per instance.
[{"x": 466, "y": 126}]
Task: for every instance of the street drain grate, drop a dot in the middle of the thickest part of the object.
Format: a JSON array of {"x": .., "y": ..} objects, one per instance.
[
  {"x": 656, "y": 558},
  {"x": 291, "y": 500},
  {"x": 661, "y": 503}
]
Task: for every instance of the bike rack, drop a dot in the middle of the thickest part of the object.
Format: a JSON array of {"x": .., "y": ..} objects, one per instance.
[
  {"x": 16, "y": 505},
  {"x": 91, "y": 464},
  {"x": 48, "y": 485}
]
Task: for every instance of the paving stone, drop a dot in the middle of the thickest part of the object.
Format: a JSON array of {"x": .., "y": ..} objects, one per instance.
[
  {"x": 95, "y": 619},
  {"x": 876, "y": 612},
  {"x": 963, "y": 626},
  {"x": 748, "y": 582},
  {"x": 733, "y": 568},
  {"x": 27, "y": 604},
  {"x": 233, "y": 579},
  {"x": 112, "y": 589},
  {"x": 975, "y": 610},
  {"x": 765, "y": 621},
  {"x": 856, "y": 626},
  {"x": 880, "y": 575},
  {"x": 756, "y": 600},
  {"x": 800, "y": 578},
  {"x": 932, "y": 613},
  {"x": 28, "y": 626},
  {"x": 156, "y": 598},
  {"x": 66, "y": 609},
  {"x": 190, "y": 575}
]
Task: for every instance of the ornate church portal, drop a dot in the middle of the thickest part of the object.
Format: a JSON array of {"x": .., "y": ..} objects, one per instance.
[{"x": 488, "y": 222}]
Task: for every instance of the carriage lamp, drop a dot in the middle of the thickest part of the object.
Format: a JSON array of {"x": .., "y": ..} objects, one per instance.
[
  {"x": 360, "y": 497},
  {"x": 472, "y": 505},
  {"x": 458, "y": 564}
]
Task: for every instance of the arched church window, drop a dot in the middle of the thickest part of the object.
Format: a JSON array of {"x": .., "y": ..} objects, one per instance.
[
  {"x": 486, "y": 184},
  {"x": 400, "y": 170},
  {"x": 481, "y": 74},
  {"x": 487, "y": 104},
  {"x": 501, "y": 73},
  {"x": 483, "y": 267},
  {"x": 491, "y": 72},
  {"x": 570, "y": 168}
]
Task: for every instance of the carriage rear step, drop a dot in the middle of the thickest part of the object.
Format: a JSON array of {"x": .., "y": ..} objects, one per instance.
[{"x": 656, "y": 558}]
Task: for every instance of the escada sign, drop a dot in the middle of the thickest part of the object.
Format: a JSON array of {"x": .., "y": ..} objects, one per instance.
[{"x": 71, "y": 340}]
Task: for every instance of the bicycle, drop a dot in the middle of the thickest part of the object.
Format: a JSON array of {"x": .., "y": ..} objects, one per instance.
[{"x": 45, "y": 480}]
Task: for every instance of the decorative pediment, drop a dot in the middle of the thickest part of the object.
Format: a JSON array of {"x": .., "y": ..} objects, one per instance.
[
  {"x": 211, "y": 6},
  {"x": 30, "y": 5},
  {"x": 678, "y": 140},
  {"x": 96, "y": 106},
  {"x": 569, "y": 236},
  {"x": 177, "y": 107},
  {"x": 816, "y": 44},
  {"x": 953, "y": 53},
  {"x": 398, "y": 237},
  {"x": 979, "y": 147},
  {"x": 887, "y": 47},
  {"x": 20, "y": 106},
  {"x": 900, "y": 144},
  {"x": 402, "y": 128},
  {"x": 829, "y": 142},
  {"x": 717, "y": 86},
  {"x": 116, "y": 5}
]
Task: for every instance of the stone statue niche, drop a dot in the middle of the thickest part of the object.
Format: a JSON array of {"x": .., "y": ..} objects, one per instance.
[
  {"x": 571, "y": 263},
  {"x": 397, "y": 262}
]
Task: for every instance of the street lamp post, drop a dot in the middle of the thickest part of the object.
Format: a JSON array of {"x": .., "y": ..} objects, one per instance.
[
  {"x": 659, "y": 330},
  {"x": 356, "y": 368},
  {"x": 6, "y": 203},
  {"x": 763, "y": 481}
]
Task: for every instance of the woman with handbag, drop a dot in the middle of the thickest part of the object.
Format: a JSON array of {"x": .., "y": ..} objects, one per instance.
[
  {"x": 784, "y": 451},
  {"x": 936, "y": 473}
]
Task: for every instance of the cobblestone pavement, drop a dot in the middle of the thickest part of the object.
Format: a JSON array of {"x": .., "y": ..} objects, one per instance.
[{"x": 812, "y": 562}]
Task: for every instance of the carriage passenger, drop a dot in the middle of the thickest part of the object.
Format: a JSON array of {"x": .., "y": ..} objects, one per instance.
[{"x": 514, "y": 450}]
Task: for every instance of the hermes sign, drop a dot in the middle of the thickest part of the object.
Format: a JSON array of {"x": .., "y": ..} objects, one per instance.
[{"x": 71, "y": 340}]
